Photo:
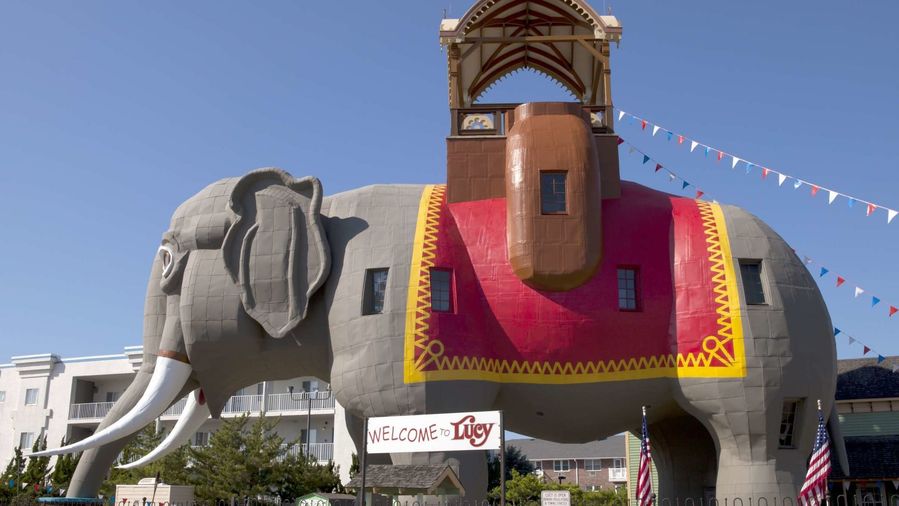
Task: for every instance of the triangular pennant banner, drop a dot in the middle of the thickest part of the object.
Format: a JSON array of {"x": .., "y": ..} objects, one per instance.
[
  {"x": 699, "y": 193},
  {"x": 780, "y": 179},
  {"x": 891, "y": 214},
  {"x": 620, "y": 115},
  {"x": 658, "y": 167},
  {"x": 874, "y": 301},
  {"x": 669, "y": 136},
  {"x": 748, "y": 168},
  {"x": 871, "y": 208},
  {"x": 840, "y": 280},
  {"x": 880, "y": 358},
  {"x": 858, "y": 291},
  {"x": 671, "y": 177},
  {"x": 631, "y": 150},
  {"x": 643, "y": 124},
  {"x": 815, "y": 190},
  {"x": 866, "y": 350},
  {"x": 720, "y": 155},
  {"x": 620, "y": 141},
  {"x": 765, "y": 173},
  {"x": 836, "y": 332},
  {"x": 686, "y": 184},
  {"x": 734, "y": 162},
  {"x": 823, "y": 272},
  {"x": 645, "y": 159},
  {"x": 851, "y": 202},
  {"x": 693, "y": 145},
  {"x": 851, "y": 340},
  {"x": 655, "y": 130},
  {"x": 831, "y": 196},
  {"x": 706, "y": 151},
  {"x": 680, "y": 139},
  {"x": 797, "y": 184},
  {"x": 893, "y": 310}
]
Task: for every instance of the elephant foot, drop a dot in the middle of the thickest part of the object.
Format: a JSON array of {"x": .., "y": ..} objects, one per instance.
[{"x": 741, "y": 479}]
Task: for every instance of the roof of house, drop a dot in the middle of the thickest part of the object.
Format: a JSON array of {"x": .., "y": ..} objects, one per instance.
[
  {"x": 409, "y": 479},
  {"x": 874, "y": 457},
  {"x": 864, "y": 378},
  {"x": 538, "y": 449}
]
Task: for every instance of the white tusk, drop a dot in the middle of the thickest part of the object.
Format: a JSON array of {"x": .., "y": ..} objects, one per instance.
[
  {"x": 194, "y": 415},
  {"x": 168, "y": 378}
]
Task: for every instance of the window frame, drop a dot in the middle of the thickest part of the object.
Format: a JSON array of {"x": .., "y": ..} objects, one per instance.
[
  {"x": 786, "y": 440},
  {"x": 638, "y": 306},
  {"x": 2, "y": 396},
  {"x": 197, "y": 437},
  {"x": 369, "y": 292},
  {"x": 762, "y": 284},
  {"x": 22, "y": 444},
  {"x": 593, "y": 465},
  {"x": 564, "y": 174},
  {"x": 37, "y": 393},
  {"x": 559, "y": 468},
  {"x": 451, "y": 288}
]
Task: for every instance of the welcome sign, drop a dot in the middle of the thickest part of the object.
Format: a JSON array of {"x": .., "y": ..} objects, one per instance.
[{"x": 478, "y": 430}]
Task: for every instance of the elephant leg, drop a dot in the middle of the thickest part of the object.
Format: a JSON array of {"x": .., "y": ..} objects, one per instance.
[
  {"x": 685, "y": 456},
  {"x": 95, "y": 462}
]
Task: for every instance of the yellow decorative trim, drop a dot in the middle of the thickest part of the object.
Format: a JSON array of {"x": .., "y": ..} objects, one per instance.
[{"x": 722, "y": 355}]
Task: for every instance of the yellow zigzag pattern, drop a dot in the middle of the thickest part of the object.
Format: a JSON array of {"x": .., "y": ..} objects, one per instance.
[{"x": 717, "y": 358}]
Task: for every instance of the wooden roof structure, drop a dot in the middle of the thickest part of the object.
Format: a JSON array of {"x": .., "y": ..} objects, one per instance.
[
  {"x": 410, "y": 480},
  {"x": 564, "y": 39}
]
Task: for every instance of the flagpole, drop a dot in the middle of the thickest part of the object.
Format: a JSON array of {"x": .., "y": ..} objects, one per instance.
[{"x": 826, "y": 491}]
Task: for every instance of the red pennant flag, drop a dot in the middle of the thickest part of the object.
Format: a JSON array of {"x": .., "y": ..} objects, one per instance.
[
  {"x": 658, "y": 167},
  {"x": 871, "y": 208},
  {"x": 699, "y": 193},
  {"x": 866, "y": 350},
  {"x": 840, "y": 280},
  {"x": 680, "y": 139},
  {"x": 765, "y": 172},
  {"x": 720, "y": 155},
  {"x": 815, "y": 190},
  {"x": 620, "y": 141},
  {"x": 643, "y": 124},
  {"x": 893, "y": 310}
]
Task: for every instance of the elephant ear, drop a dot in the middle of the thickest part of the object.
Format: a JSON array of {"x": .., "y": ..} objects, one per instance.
[{"x": 276, "y": 250}]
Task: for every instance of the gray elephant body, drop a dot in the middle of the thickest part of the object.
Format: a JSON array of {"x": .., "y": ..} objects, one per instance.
[{"x": 708, "y": 432}]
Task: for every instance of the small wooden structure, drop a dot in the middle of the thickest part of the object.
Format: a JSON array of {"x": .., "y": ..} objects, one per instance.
[
  {"x": 410, "y": 480},
  {"x": 152, "y": 491}
]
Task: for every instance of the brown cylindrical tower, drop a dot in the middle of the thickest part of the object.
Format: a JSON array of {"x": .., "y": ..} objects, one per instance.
[{"x": 553, "y": 198}]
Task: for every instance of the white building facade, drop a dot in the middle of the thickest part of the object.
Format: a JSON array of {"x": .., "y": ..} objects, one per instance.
[{"x": 68, "y": 398}]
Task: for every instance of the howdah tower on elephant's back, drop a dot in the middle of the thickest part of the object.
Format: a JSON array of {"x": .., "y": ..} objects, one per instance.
[{"x": 553, "y": 163}]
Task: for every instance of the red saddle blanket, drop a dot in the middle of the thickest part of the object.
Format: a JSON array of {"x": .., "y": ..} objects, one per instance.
[{"x": 687, "y": 324}]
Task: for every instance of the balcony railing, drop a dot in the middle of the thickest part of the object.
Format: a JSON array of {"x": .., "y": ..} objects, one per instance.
[
  {"x": 299, "y": 402},
  {"x": 89, "y": 410},
  {"x": 282, "y": 403},
  {"x": 322, "y": 452},
  {"x": 617, "y": 474}
]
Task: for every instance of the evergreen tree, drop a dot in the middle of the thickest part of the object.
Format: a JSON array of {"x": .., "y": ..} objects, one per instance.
[
  {"x": 172, "y": 469},
  {"x": 63, "y": 471},
  {"x": 11, "y": 478},
  {"x": 515, "y": 460},
  {"x": 35, "y": 476}
]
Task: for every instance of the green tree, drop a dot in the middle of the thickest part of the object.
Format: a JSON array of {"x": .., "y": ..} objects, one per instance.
[
  {"x": 35, "y": 476},
  {"x": 303, "y": 475},
  {"x": 12, "y": 476},
  {"x": 63, "y": 470},
  {"x": 526, "y": 488},
  {"x": 515, "y": 460},
  {"x": 171, "y": 469}
]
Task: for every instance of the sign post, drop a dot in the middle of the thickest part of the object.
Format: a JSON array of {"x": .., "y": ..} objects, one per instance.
[
  {"x": 502, "y": 461},
  {"x": 364, "y": 453}
]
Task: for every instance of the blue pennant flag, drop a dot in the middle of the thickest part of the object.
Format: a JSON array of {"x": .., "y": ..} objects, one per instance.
[
  {"x": 836, "y": 332},
  {"x": 880, "y": 358},
  {"x": 851, "y": 202},
  {"x": 748, "y": 167},
  {"x": 706, "y": 151},
  {"x": 823, "y": 272},
  {"x": 874, "y": 301},
  {"x": 686, "y": 184},
  {"x": 645, "y": 158},
  {"x": 669, "y": 136}
]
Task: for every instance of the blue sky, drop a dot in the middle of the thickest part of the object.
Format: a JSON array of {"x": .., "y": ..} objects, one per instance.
[{"x": 112, "y": 113}]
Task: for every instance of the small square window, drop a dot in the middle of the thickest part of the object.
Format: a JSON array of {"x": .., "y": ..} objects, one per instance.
[
  {"x": 26, "y": 440},
  {"x": 375, "y": 291},
  {"x": 593, "y": 464},
  {"x": 627, "y": 289},
  {"x": 751, "y": 272},
  {"x": 30, "y": 396},
  {"x": 442, "y": 290},
  {"x": 561, "y": 466},
  {"x": 201, "y": 439},
  {"x": 553, "y": 199},
  {"x": 788, "y": 422}
]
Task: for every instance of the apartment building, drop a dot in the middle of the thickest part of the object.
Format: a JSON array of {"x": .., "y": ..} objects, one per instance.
[
  {"x": 68, "y": 397},
  {"x": 592, "y": 466}
]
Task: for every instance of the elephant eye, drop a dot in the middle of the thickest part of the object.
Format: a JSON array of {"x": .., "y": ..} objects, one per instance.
[{"x": 168, "y": 259}]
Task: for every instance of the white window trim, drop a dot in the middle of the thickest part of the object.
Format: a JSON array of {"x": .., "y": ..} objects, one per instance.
[{"x": 37, "y": 393}]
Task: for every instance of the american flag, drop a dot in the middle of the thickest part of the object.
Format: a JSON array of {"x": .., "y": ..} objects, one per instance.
[
  {"x": 644, "y": 475},
  {"x": 814, "y": 490}
]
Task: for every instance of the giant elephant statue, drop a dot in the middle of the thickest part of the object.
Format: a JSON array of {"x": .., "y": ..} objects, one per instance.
[{"x": 408, "y": 303}]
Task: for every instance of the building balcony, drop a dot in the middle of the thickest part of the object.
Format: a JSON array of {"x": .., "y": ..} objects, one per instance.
[
  {"x": 282, "y": 404},
  {"x": 617, "y": 474},
  {"x": 323, "y": 452}
]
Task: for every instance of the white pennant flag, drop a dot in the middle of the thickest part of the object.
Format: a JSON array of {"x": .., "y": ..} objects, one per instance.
[
  {"x": 858, "y": 291},
  {"x": 734, "y": 163},
  {"x": 780, "y": 179},
  {"x": 671, "y": 177},
  {"x": 693, "y": 145},
  {"x": 851, "y": 340},
  {"x": 891, "y": 214},
  {"x": 832, "y": 195},
  {"x": 631, "y": 150},
  {"x": 655, "y": 130},
  {"x": 620, "y": 115}
]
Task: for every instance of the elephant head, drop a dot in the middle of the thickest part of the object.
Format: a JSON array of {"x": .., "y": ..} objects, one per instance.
[{"x": 237, "y": 267}]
